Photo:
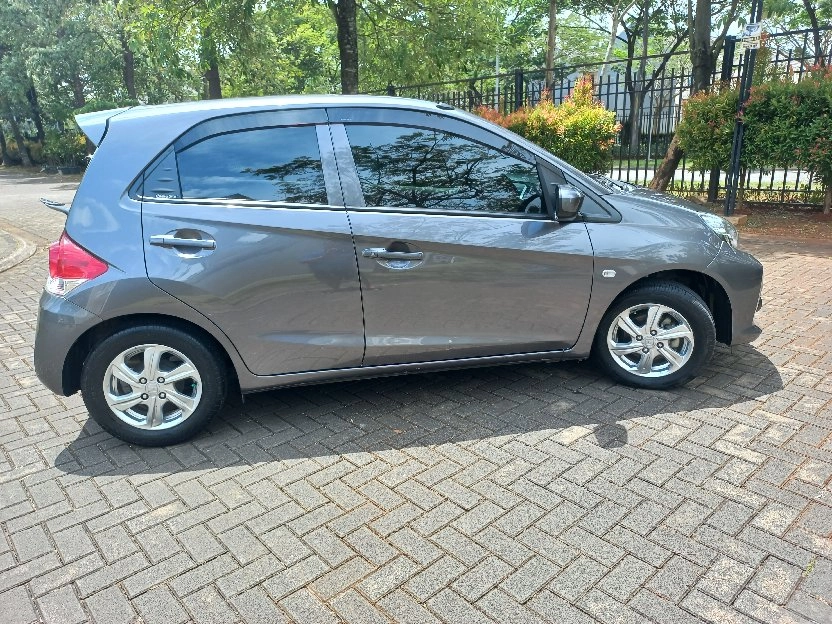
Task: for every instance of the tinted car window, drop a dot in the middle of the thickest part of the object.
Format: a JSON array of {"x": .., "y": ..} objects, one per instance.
[
  {"x": 267, "y": 164},
  {"x": 408, "y": 167}
]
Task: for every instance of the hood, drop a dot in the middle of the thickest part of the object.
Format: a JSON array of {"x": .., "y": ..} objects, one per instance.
[{"x": 653, "y": 206}]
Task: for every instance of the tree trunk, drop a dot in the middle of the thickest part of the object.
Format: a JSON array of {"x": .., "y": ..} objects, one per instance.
[
  {"x": 700, "y": 52},
  {"x": 827, "y": 197},
  {"x": 34, "y": 109},
  {"x": 128, "y": 67},
  {"x": 78, "y": 97},
  {"x": 551, "y": 42},
  {"x": 666, "y": 169},
  {"x": 702, "y": 58},
  {"x": 5, "y": 159},
  {"x": 344, "y": 12},
  {"x": 813, "y": 19},
  {"x": 21, "y": 145},
  {"x": 210, "y": 61}
]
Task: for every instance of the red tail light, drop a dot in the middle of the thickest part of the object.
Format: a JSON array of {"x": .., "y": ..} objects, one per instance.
[{"x": 70, "y": 265}]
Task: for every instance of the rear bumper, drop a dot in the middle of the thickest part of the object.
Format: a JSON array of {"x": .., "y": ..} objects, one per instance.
[{"x": 60, "y": 324}]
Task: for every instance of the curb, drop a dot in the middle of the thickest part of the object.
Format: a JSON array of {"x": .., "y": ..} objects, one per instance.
[{"x": 23, "y": 251}]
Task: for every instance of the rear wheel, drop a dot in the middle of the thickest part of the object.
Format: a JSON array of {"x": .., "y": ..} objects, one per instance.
[
  {"x": 657, "y": 336},
  {"x": 153, "y": 385}
]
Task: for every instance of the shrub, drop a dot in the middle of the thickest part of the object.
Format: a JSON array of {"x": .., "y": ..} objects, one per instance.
[
  {"x": 580, "y": 130},
  {"x": 66, "y": 148},
  {"x": 789, "y": 124},
  {"x": 707, "y": 128}
]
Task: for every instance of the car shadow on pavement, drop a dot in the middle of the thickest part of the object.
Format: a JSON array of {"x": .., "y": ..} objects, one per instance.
[{"x": 556, "y": 403}]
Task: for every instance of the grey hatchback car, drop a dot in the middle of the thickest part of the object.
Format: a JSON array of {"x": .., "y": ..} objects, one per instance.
[{"x": 239, "y": 245}]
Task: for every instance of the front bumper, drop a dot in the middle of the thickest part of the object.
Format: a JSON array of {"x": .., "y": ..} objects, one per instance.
[
  {"x": 60, "y": 324},
  {"x": 741, "y": 274}
]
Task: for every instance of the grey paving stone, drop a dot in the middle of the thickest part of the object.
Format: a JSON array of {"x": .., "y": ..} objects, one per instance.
[
  {"x": 72, "y": 543},
  {"x": 626, "y": 578},
  {"x": 775, "y": 580},
  {"x": 208, "y": 606},
  {"x": 437, "y": 576},
  {"x": 476, "y": 582},
  {"x": 110, "y": 605},
  {"x": 351, "y": 607},
  {"x": 61, "y": 606},
  {"x": 158, "y": 606},
  {"x": 403, "y": 609},
  {"x": 452, "y": 608},
  {"x": 30, "y": 543},
  {"x": 388, "y": 577},
  {"x": 17, "y": 606},
  {"x": 255, "y": 607},
  {"x": 302, "y": 606},
  {"x": 526, "y": 581}
]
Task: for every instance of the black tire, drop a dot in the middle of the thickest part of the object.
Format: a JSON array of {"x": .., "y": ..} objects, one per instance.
[
  {"x": 209, "y": 366},
  {"x": 683, "y": 301}
]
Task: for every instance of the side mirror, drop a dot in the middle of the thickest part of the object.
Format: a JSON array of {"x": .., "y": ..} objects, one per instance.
[{"x": 567, "y": 202}]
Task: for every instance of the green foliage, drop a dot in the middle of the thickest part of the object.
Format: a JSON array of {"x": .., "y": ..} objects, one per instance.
[
  {"x": 707, "y": 127},
  {"x": 65, "y": 148},
  {"x": 580, "y": 130},
  {"x": 790, "y": 125}
]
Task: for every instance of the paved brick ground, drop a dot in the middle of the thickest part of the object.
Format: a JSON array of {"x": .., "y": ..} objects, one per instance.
[{"x": 528, "y": 493}]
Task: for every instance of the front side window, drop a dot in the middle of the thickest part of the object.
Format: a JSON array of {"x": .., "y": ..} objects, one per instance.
[
  {"x": 409, "y": 167},
  {"x": 265, "y": 164}
]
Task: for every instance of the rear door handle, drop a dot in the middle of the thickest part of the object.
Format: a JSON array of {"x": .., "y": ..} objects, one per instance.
[
  {"x": 382, "y": 254},
  {"x": 167, "y": 240}
]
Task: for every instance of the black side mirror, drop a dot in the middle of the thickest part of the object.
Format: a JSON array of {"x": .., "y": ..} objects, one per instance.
[{"x": 564, "y": 202}]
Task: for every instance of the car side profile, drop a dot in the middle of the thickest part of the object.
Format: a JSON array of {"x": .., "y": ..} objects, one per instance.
[{"x": 240, "y": 245}]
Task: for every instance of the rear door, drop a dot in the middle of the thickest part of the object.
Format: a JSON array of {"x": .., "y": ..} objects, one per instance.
[
  {"x": 456, "y": 255},
  {"x": 244, "y": 221}
]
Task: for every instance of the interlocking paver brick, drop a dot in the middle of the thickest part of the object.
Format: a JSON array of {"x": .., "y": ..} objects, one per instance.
[
  {"x": 158, "y": 606},
  {"x": 110, "y": 605},
  {"x": 17, "y": 606},
  {"x": 591, "y": 501},
  {"x": 255, "y": 607},
  {"x": 775, "y": 580},
  {"x": 61, "y": 606}
]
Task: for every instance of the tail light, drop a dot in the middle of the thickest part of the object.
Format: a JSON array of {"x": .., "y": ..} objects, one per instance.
[{"x": 70, "y": 265}]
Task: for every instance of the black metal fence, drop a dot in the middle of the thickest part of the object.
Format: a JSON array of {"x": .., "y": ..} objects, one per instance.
[{"x": 649, "y": 107}]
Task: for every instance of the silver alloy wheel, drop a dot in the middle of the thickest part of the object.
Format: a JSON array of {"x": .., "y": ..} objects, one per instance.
[
  {"x": 650, "y": 340},
  {"x": 152, "y": 386}
]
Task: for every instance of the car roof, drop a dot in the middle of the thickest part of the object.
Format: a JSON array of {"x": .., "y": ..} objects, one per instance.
[
  {"x": 95, "y": 124},
  {"x": 279, "y": 101}
]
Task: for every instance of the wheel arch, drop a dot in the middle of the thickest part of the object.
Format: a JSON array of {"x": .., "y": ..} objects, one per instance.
[
  {"x": 708, "y": 288},
  {"x": 86, "y": 342}
]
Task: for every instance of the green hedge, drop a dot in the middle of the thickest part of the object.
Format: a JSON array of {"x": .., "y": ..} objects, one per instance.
[{"x": 787, "y": 124}]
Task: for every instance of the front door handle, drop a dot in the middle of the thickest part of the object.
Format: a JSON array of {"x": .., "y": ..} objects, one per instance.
[
  {"x": 167, "y": 240},
  {"x": 382, "y": 254}
]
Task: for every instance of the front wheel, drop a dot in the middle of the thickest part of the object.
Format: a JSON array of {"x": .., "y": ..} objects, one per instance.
[
  {"x": 153, "y": 385},
  {"x": 657, "y": 336}
]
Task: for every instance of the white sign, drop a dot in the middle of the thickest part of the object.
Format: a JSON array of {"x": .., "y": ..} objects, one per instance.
[{"x": 752, "y": 37}]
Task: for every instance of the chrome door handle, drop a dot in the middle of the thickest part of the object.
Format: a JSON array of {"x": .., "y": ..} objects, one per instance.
[
  {"x": 383, "y": 254},
  {"x": 166, "y": 240}
]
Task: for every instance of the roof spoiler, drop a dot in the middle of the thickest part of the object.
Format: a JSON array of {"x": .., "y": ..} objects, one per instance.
[{"x": 94, "y": 124}]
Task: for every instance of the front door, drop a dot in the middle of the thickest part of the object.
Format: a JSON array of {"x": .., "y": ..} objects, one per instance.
[
  {"x": 241, "y": 223},
  {"x": 456, "y": 255}
]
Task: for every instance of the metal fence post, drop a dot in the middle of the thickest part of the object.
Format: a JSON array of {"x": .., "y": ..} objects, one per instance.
[
  {"x": 724, "y": 76},
  {"x": 519, "y": 89},
  {"x": 733, "y": 181}
]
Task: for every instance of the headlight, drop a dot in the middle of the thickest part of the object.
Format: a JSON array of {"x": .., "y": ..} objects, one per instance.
[{"x": 722, "y": 228}]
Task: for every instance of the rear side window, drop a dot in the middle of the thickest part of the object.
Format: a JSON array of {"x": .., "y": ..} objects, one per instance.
[{"x": 265, "y": 164}]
